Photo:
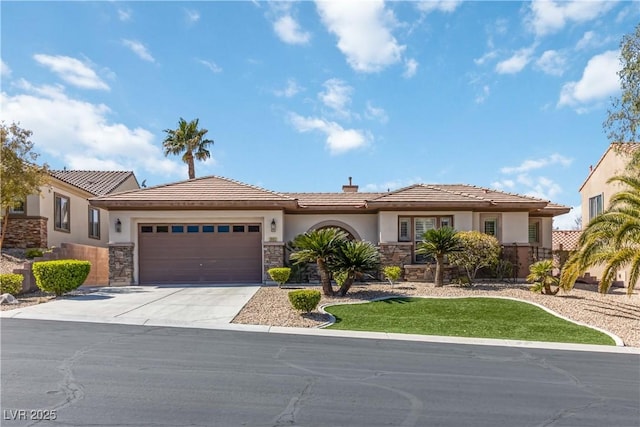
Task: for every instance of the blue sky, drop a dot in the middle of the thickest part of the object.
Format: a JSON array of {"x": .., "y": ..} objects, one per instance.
[{"x": 299, "y": 96}]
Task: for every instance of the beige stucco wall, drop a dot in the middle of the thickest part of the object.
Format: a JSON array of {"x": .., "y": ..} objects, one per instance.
[
  {"x": 365, "y": 225},
  {"x": 131, "y": 219},
  {"x": 131, "y": 183},
  {"x": 515, "y": 227},
  {"x": 612, "y": 163}
]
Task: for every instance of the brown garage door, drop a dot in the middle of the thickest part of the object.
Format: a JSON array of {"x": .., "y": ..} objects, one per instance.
[{"x": 200, "y": 253}]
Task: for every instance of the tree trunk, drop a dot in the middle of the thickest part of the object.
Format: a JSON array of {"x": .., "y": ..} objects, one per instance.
[
  {"x": 346, "y": 285},
  {"x": 439, "y": 272},
  {"x": 5, "y": 223},
  {"x": 548, "y": 291},
  {"x": 192, "y": 167},
  {"x": 325, "y": 278}
]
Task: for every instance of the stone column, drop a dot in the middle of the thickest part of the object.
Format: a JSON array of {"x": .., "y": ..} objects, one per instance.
[
  {"x": 120, "y": 264},
  {"x": 394, "y": 253},
  {"x": 273, "y": 257}
]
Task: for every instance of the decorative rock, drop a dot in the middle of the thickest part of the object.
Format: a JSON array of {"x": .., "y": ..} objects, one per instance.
[{"x": 8, "y": 299}]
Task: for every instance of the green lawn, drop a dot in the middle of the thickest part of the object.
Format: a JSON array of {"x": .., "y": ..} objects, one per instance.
[{"x": 463, "y": 317}]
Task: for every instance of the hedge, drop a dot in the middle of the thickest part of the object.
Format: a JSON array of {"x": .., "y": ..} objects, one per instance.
[
  {"x": 280, "y": 275},
  {"x": 304, "y": 299},
  {"x": 11, "y": 283},
  {"x": 60, "y": 276}
]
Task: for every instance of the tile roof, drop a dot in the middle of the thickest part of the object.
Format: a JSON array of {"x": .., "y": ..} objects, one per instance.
[
  {"x": 456, "y": 193},
  {"x": 209, "y": 188},
  {"x": 98, "y": 183},
  {"x": 333, "y": 199},
  {"x": 567, "y": 238}
]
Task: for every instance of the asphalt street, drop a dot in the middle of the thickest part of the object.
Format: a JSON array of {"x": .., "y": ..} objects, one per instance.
[{"x": 89, "y": 374}]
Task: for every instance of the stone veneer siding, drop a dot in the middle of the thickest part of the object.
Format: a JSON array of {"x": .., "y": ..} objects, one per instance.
[
  {"x": 26, "y": 232},
  {"x": 120, "y": 264},
  {"x": 273, "y": 257},
  {"x": 398, "y": 254}
]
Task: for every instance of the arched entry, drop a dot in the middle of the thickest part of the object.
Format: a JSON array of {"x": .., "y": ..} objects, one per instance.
[{"x": 351, "y": 232}]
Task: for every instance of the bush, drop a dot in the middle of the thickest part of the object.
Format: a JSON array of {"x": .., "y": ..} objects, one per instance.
[
  {"x": 60, "y": 276},
  {"x": 280, "y": 275},
  {"x": 304, "y": 299},
  {"x": 392, "y": 273},
  {"x": 33, "y": 253},
  {"x": 479, "y": 251},
  {"x": 11, "y": 283}
]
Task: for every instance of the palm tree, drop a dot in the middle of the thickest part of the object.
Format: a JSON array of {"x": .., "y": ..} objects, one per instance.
[
  {"x": 354, "y": 259},
  {"x": 187, "y": 139},
  {"x": 438, "y": 243},
  {"x": 612, "y": 239},
  {"x": 319, "y": 246},
  {"x": 541, "y": 277}
]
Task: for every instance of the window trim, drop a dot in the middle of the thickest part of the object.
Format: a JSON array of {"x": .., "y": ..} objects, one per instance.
[
  {"x": 414, "y": 240},
  {"x": 596, "y": 210},
  {"x": 90, "y": 222},
  {"x": 538, "y": 224},
  {"x": 12, "y": 210},
  {"x": 57, "y": 213}
]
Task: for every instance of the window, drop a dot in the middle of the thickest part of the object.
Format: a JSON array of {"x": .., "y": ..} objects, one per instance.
[
  {"x": 61, "y": 213},
  {"x": 254, "y": 229},
  {"x": 177, "y": 228},
  {"x": 595, "y": 206},
  {"x": 238, "y": 228},
  {"x": 193, "y": 228},
  {"x": 534, "y": 232},
  {"x": 94, "y": 223},
  {"x": 146, "y": 229},
  {"x": 223, "y": 229},
  {"x": 162, "y": 229},
  {"x": 490, "y": 227},
  {"x": 18, "y": 208},
  {"x": 411, "y": 229},
  {"x": 207, "y": 228}
]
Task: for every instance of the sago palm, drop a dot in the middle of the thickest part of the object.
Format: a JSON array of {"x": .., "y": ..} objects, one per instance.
[
  {"x": 189, "y": 141},
  {"x": 438, "y": 243},
  {"x": 354, "y": 258},
  {"x": 611, "y": 239},
  {"x": 319, "y": 246},
  {"x": 541, "y": 277}
]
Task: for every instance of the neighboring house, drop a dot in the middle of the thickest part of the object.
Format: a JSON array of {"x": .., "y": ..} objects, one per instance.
[
  {"x": 214, "y": 229},
  {"x": 61, "y": 212},
  {"x": 596, "y": 192}
]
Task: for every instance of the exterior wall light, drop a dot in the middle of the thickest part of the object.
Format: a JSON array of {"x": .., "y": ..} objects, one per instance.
[
  {"x": 273, "y": 225},
  {"x": 118, "y": 225}
]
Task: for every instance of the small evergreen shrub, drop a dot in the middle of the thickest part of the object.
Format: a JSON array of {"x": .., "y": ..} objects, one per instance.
[
  {"x": 11, "y": 283},
  {"x": 280, "y": 275},
  {"x": 340, "y": 277},
  {"x": 33, "y": 253},
  {"x": 60, "y": 276},
  {"x": 392, "y": 273},
  {"x": 304, "y": 299}
]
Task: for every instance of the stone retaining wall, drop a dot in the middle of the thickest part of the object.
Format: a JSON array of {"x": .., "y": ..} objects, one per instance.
[
  {"x": 120, "y": 264},
  {"x": 26, "y": 232}
]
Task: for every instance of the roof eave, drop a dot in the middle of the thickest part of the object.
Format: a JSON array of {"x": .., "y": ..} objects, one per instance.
[{"x": 190, "y": 204}]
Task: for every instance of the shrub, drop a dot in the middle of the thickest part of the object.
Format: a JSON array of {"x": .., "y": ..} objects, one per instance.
[
  {"x": 392, "y": 273},
  {"x": 33, "y": 253},
  {"x": 280, "y": 275},
  {"x": 304, "y": 299},
  {"x": 479, "y": 251},
  {"x": 60, "y": 276},
  {"x": 11, "y": 283}
]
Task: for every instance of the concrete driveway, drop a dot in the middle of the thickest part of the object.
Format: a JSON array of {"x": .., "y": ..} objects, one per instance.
[{"x": 199, "y": 306}]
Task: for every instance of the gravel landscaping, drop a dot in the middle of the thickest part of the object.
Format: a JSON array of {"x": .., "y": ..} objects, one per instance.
[{"x": 614, "y": 312}]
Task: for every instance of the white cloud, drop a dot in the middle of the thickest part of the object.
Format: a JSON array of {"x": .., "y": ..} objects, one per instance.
[
  {"x": 548, "y": 16},
  {"x": 481, "y": 97},
  {"x": 516, "y": 63},
  {"x": 411, "y": 68},
  {"x": 80, "y": 133},
  {"x": 139, "y": 49},
  {"x": 543, "y": 188},
  {"x": 486, "y": 57},
  {"x": 125, "y": 14},
  {"x": 215, "y": 68},
  {"x": 504, "y": 185},
  {"x": 5, "y": 71},
  {"x": 375, "y": 113},
  {"x": 192, "y": 16},
  {"x": 531, "y": 164},
  {"x": 446, "y": 6},
  {"x": 337, "y": 96},
  {"x": 599, "y": 81},
  {"x": 339, "y": 140},
  {"x": 568, "y": 221},
  {"x": 552, "y": 62},
  {"x": 289, "y": 31},
  {"x": 72, "y": 71},
  {"x": 364, "y": 33},
  {"x": 291, "y": 90}
]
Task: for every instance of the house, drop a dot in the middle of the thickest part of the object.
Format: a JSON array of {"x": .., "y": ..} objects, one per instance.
[
  {"x": 215, "y": 229},
  {"x": 61, "y": 212},
  {"x": 596, "y": 192}
]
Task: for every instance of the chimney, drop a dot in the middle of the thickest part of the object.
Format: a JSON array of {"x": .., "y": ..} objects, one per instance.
[{"x": 350, "y": 188}]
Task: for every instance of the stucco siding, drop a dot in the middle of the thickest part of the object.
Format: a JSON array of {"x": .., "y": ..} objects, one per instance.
[
  {"x": 515, "y": 227},
  {"x": 366, "y": 225}
]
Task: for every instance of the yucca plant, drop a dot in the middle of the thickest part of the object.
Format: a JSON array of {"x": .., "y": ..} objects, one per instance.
[{"x": 353, "y": 259}]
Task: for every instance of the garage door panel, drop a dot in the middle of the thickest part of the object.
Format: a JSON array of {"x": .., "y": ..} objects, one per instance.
[{"x": 200, "y": 257}]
